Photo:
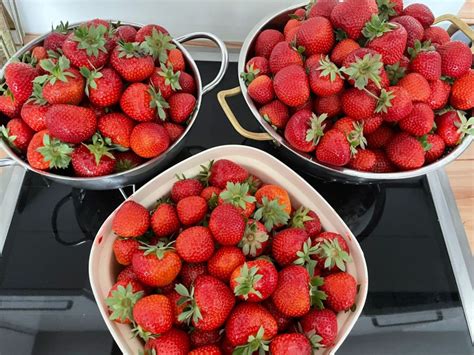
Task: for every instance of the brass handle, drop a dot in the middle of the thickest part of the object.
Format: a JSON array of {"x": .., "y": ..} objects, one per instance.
[
  {"x": 457, "y": 24},
  {"x": 221, "y": 97}
]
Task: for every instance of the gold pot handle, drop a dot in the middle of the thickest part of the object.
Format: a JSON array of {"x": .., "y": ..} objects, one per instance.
[
  {"x": 457, "y": 24},
  {"x": 221, "y": 97}
]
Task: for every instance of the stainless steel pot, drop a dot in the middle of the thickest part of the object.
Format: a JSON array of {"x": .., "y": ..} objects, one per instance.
[
  {"x": 305, "y": 161},
  {"x": 152, "y": 166}
]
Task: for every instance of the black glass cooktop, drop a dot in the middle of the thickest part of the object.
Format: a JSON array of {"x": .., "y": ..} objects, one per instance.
[{"x": 413, "y": 305}]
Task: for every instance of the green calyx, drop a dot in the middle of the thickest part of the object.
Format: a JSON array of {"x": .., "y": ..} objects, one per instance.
[
  {"x": 130, "y": 50},
  {"x": 314, "y": 339},
  {"x": 8, "y": 139},
  {"x": 340, "y": 34},
  {"x": 317, "y": 296},
  {"x": 237, "y": 194},
  {"x": 333, "y": 255},
  {"x": 37, "y": 95},
  {"x": 91, "y": 39},
  {"x": 395, "y": 72},
  {"x": 205, "y": 173},
  {"x": 356, "y": 138},
  {"x": 465, "y": 126},
  {"x": 57, "y": 71},
  {"x": 171, "y": 77},
  {"x": 57, "y": 153},
  {"x": 254, "y": 343},
  {"x": 91, "y": 76},
  {"x": 191, "y": 310},
  {"x": 158, "y": 45},
  {"x": 386, "y": 9},
  {"x": 377, "y": 27},
  {"x": 384, "y": 101},
  {"x": 140, "y": 332},
  {"x": 365, "y": 69},
  {"x": 419, "y": 47},
  {"x": 328, "y": 68},
  {"x": 272, "y": 213},
  {"x": 300, "y": 217},
  {"x": 252, "y": 240},
  {"x": 254, "y": 184},
  {"x": 246, "y": 282},
  {"x": 316, "y": 131},
  {"x": 28, "y": 58},
  {"x": 158, "y": 250},
  {"x": 158, "y": 102},
  {"x": 424, "y": 143},
  {"x": 61, "y": 28},
  {"x": 100, "y": 147},
  {"x": 121, "y": 302},
  {"x": 250, "y": 74},
  {"x": 304, "y": 257}
]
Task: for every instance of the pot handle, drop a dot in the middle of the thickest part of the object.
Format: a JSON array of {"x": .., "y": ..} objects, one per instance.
[
  {"x": 457, "y": 23},
  {"x": 7, "y": 162},
  {"x": 224, "y": 55},
  {"x": 221, "y": 97}
]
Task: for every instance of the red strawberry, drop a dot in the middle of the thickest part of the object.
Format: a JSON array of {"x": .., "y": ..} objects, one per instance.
[
  {"x": 153, "y": 314},
  {"x": 413, "y": 27},
  {"x": 342, "y": 50},
  {"x": 176, "y": 60},
  {"x": 251, "y": 325},
  {"x": 387, "y": 38},
  {"x": 358, "y": 104},
  {"x": 389, "y": 8},
  {"x": 265, "y": 42},
  {"x": 254, "y": 281},
  {"x": 147, "y": 30},
  {"x": 224, "y": 262},
  {"x": 121, "y": 299},
  {"x": 71, "y": 124},
  {"x": 275, "y": 113},
  {"x": 195, "y": 244},
  {"x": 132, "y": 62},
  {"x": 9, "y": 106},
  {"x": 38, "y": 53},
  {"x": 462, "y": 95},
  {"x": 127, "y": 274},
  {"x": 452, "y": 126},
  {"x": 456, "y": 59},
  {"x": 315, "y": 35},
  {"x": 304, "y": 130},
  {"x": 425, "y": 62},
  {"x": 364, "y": 160},
  {"x": 308, "y": 105},
  {"x": 333, "y": 149},
  {"x": 322, "y": 8},
  {"x": 287, "y": 243},
  {"x": 55, "y": 39},
  {"x": 308, "y": 220},
  {"x": 364, "y": 68},
  {"x": 97, "y": 22},
  {"x": 291, "y": 85},
  {"x": 380, "y": 137},
  {"x": 238, "y": 195},
  {"x": 206, "y": 350},
  {"x": 191, "y": 210},
  {"x": 131, "y": 220},
  {"x": 284, "y": 344},
  {"x": 164, "y": 221},
  {"x": 325, "y": 79},
  {"x": 211, "y": 194},
  {"x": 103, "y": 87},
  {"x": 203, "y": 338},
  {"x": 190, "y": 272},
  {"x": 117, "y": 127},
  {"x": 283, "y": 55},
  {"x": 341, "y": 290},
  {"x": 434, "y": 147},
  {"x": 372, "y": 123},
  {"x": 255, "y": 239},
  {"x": 126, "y": 160},
  {"x": 283, "y": 321},
  {"x": 255, "y": 67},
  {"x": 142, "y": 103},
  {"x": 345, "y": 124},
  {"x": 313, "y": 60},
  {"x": 439, "y": 94},
  {"x": 421, "y": 12},
  {"x": 185, "y": 188},
  {"x": 261, "y": 90},
  {"x": 382, "y": 163},
  {"x": 420, "y": 121},
  {"x": 33, "y": 112},
  {"x": 437, "y": 35},
  {"x": 181, "y": 106},
  {"x": 352, "y": 15},
  {"x": 174, "y": 130},
  {"x": 222, "y": 171},
  {"x": 186, "y": 81},
  {"x": 93, "y": 159},
  {"x": 321, "y": 322},
  {"x": 174, "y": 341},
  {"x": 330, "y": 105},
  {"x": 124, "y": 248},
  {"x": 45, "y": 152},
  {"x": 17, "y": 133},
  {"x": 165, "y": 80},
  {"x": 227, "y": 224},
  {"x": 290, "y": 35},
  {"x": 293, "y": 23},
  {"x": 149, "y": 140},
  {"x": 417, "y": 87},
  {"x": 19, "y": 78},
  {"x": 125, "y": 33},
  {"x": 405, "y": 152},
  {"x": 211, "y": 303}
]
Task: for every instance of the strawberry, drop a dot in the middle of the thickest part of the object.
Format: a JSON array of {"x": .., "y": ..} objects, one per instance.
[
  {"x": 275, "y": 113},
  {"x": 274, "y": 206},
  {"x": 352, "y": 15},
  {"x": 195, "y": 244},
  {"x": 332, "y": 250},
  {"x": 291, "y": 85},
  {"x": 238, "y": 196},
  {"x": 191, "y": 210},
  {"x": 283, "y": 55},
  {"x": 71, "y": 124},
  {"x": 287, "y": 243},
  {"x": 382, "y": 163},
  {"x": 380, "y": 137},
  {"x": 292, "y": 24},
  {"x": 261, "y": 89},
  {"x": 255, "y": 67},
  {"x": 364, "y": 160},
  {"x": 325, "y": 80},
  {"x": 147, "y": 31},
  {"x": 333, "y": 149},
  {"x": 127, "y": 274},
  {"x": 372, "y": 123},
  {"x": 250, "y": 326},
  {"x": 176, "y": 60},
  {"x": 287, "y": 343},
  {"x": 364, "y": 69},
  {"x": 185, "y": 188},
  {"x": 290, "y": 35},
  {"x": 157, "y": 42},
  {"x": 124, "y": 248},
  {"x": 341, "y": 290},
  {"x": 181, "y": 106},
  {"x": 97, "y": 22},
  {"x": 131, "y": 220},
  {"x": 166, "y": 80},
  {"x": 315, "y": 35},
  {"x": 345, "y": 124},
  {"x": 132, "y": 62},
  {"x": 308, "y": 105},
  {"x": 126, "y": 160},
  {"x": 85, "y": 46},
  {"x": 157, "y": 265},
  {"x": 164, "y": 221},
  {"x": 313, "y": 60},
  {"x": 387, "y": 38},
  {"x": 413, "y": 27},
  {"x": 434, "y": 147},
  {"x": 304, "y": 130},
  {"x": 358, "y": 104},
  {"x": 33, "y": 112},
  {"x": 254, "y": 281},
  {"x": 437, "y": 35},
  {"x": 274, "y": 192},
  {"x": 389, "y": 8},
  {"x": 176, "y": 306},
  {"x": 153, "y": 315},
  {"x": 224, "y": 262},
  {"x": 211, "y": 195},
  {"x": 186, "y": 81},
  {"x": 63, "y": 85},
  {"x": 174, "y": 130},
  {"x": 322, "y": 8},
  {"x": 394, "y": 103},
  {"x": 321, "y": 322},
  {"x": 56, "y": 38},
  {"x": 283, "y": 321},
  {"x": 330, "y": 105},
  {"x": 190, "y": 272},
  {"x": 417, "y": 87},
  {"x": 222, "y": 171},
  {"x": 148, "y": 140},
  {"x": 8, "y": 105},
  {"x": 265, "y": 42},
  {"x": 405, "y": 152},
  {"x": 255, "y": 239},
  {"x": 174, "y": 341},
  {"x": 121, "y": 299},
  {"x": 456, "y": 59},
  {"x": 103, "y": 87},
  {"x": 117, "y": 127},
  {"x": 17, "y": 134},
  {"x": 308, "y": 220},
  {"x": 397, "y": 71},
  {"x": 421, "y": 12},
  {"x": 93, "y": 159},
  {"x": 142, "y": 103},
  {"x": 420, "y": 121},
  {"x": 125, "y": 33},
  {"x": 342, "y": 50},
  {"x": 19, "y": 79},
  {"x": 227, "y": 225},
  {"x": 206, "y": 350},
  {"x": 452, "y": 126},
  {"x": 211, "y": 302},
  {"x": 201, "y": 338},
  {"x": 45, "y": 152},
  {"x": 425, "y": 61},
  {"x": 462, "y": 95}
]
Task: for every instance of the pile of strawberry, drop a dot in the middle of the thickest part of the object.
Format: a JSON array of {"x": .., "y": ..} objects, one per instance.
[
  {"x": 365, "y": 84},
  {"x": 101, "y": 98},
  {"x": 226, "y": 265}
]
